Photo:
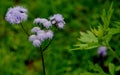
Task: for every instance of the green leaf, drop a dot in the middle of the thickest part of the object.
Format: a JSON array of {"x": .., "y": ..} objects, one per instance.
[
  {"x": 111, "y": 69},
  {"x": 111, "y": 32},
  {"x": 87, "y": 41},
  {"x": 106, "y": 16},
  {"x": 99, "y": 31}
]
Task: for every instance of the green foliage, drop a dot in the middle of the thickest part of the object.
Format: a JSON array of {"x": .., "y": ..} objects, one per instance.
[
  {"x": 100, "y": 36},
  {"x": 112, "y": 69},
  {"x": 96, "y": 70},
  {"x": 87, "y": 41}
]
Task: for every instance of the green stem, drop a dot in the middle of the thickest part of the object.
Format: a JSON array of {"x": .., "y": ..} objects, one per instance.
[
  {"x": 114, "y": 53},
  {"x": 47, "y": 45},
  {"x": 24, "y": 30},
  {"x": 43, "y": 64},
  {"x": 45, "y": 48}
]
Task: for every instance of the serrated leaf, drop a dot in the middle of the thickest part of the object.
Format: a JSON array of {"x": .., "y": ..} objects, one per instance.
[
  {"x": 98, "y": 32},
  {"x": 87, "y": 37},
  {"x": 87, "y": 41},
  {"x": 111, "y": 69},
  {"x": 106, "y": 16}
]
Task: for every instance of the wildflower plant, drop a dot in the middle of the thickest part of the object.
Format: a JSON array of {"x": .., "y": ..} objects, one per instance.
[
  {"x": 100, "y": 37},
  {"x": 43, "y": 30}
]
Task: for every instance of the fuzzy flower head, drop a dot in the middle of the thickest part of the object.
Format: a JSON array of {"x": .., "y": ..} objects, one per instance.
[
  {"x": 16, "y": 15},
  {"x": 102, "y": 51},
  {"x": 35, "y": 29},
  {"x": 58, "y": 20},
  {"x": 49, "y": 34},
  {"x": 32, "y": 38},
  {"x": 43, "y": 22},
  {"x": 41, "y": 35},
  {"x": 57, "y": 17},
  {"x": 37, "y": 21},
  {"x": 47, "y": 24},
  {"x": 36, "y": 43}
]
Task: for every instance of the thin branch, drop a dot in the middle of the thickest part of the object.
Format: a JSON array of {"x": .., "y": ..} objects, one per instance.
[
  {"x": 47, "y": 45},
  {"x": 43, "y": 64},
  {"x": 50, "y": 41},
  {"x": 24, "y": 30}
]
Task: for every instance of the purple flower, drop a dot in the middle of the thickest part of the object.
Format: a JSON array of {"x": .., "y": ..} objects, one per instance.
[
  {"x": 43, "y": 20},
  {"x": 37, "y": 21},
  {"x": 60, "y": 25},
  {"x": 40, "y": 20},
  {"x": 58, "y": 20},
  {"x": 16, "y": 15},
  {"x": 36, "y": 43},
  {"x": 32, "y": 38},
  {"x": 47, "y": 24},
  {"x": 102, "y": 51},
  {"x": 49, "y": 34},
  {"x": 35, "y": 29},
  {"x": 41, "y": 35},
  {"x": 20, "y": 9}
]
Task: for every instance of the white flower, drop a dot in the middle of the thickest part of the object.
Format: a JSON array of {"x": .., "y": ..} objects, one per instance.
[
  {"x": 35, "y": 29},
  {"x": 36, "y": 43},
  {"x": 16, "y": 15},
  {"x": 47, "y": 24},
  {"x": 41, "y": 35},
  {"x": 49, "y": 34},
  {"x": 32, "y": 38}
]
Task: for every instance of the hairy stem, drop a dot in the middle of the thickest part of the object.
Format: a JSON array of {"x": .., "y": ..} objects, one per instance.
[
  {"x": 24, "y": 30},
  {"x": 43, "y": 64}
]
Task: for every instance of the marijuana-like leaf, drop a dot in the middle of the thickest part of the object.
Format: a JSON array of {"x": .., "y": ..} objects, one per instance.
[
  {"x": 87, "y": 41},
  {"x": 98, "y": 32}
]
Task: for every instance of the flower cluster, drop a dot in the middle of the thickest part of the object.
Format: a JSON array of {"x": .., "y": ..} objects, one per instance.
[
  {"x": 16, "y": 15},
  {"x": 43, "y": 21},
  {"x": 58, "y": 20},
  {"x": 39, "y": 36},
  {"x": 102, "y": 51}
]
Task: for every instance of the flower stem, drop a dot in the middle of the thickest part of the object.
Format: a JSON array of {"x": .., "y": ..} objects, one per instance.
[
  {"x": 114, "y": 53},
  {"x": 47, "y": 45},
  {"x": 45, "y": 48},
  {"x": 24, "y": 30},
  {"x": 43, "y": 64}
]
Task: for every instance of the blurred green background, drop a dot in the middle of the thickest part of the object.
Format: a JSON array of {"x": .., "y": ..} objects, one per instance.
[{"x": 19, "y": 57}]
